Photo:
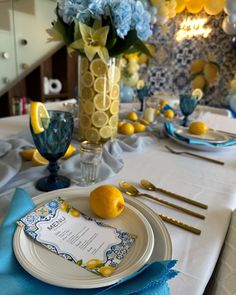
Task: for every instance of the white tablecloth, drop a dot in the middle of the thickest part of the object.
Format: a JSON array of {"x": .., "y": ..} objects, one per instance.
[{"x": 209, "y": 183}]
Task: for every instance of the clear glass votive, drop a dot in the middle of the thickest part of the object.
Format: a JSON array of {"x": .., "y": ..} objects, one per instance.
[{"x": 90, "y": 162}]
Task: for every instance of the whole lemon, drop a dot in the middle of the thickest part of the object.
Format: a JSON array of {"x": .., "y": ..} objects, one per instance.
[
  {"x": 169, "y": 114},
  {"x": 198, "y": 128},
  {"x": 138, "y": 127},
  {"x": 127, "y": 129},
  {"x": 106, "y": 201},
  {"x": 163, "y": 102},
  {"x": 132, "y": 116}
]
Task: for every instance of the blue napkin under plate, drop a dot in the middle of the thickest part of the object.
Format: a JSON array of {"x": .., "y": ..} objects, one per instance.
[
  {"x": 171, "y": 130},
  {"x": 14, "y": 280}
]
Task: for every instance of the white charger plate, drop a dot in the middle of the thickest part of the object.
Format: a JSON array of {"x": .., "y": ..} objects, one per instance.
[
  {"x": 52, "y": 269},
  {"x": 201, "y": 147},
  {"x": 211, "y": 136}
]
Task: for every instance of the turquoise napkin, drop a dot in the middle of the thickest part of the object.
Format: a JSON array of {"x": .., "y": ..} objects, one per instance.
[
  {"x": 14, "y": 280},
  {"x": 170, "y": 129}
]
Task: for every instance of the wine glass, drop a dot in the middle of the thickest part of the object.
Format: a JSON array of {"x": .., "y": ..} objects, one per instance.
[
  {"x": 187, "y": 106},
  {"x": 52, "y": 144}
]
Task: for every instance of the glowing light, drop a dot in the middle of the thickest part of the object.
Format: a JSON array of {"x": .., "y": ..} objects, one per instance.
[{"x": 193, "y": 27}]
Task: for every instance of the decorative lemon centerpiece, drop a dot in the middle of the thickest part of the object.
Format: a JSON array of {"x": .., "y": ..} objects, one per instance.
[{"x": 106, "y": 201}]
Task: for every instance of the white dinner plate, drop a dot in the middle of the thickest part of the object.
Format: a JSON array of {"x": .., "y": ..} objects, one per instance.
[
  {"x": 210, "y": 136},
  {"x": 137, "y": 218},
  {"x": 200, "y": 147}
]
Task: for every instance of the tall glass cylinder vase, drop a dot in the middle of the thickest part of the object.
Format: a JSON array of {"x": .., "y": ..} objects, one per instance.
[{"x": 99, "y": 92}]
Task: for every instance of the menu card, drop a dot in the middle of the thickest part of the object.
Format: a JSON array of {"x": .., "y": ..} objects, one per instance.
[{"x": 77, "y": 237}]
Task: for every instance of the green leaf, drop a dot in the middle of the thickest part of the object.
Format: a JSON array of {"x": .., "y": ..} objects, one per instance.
[
  {"x": 122, "y": 45},
  {"x": 79, "y": 262},
  {"x": 77, "y": 34},
  {"x": 140, "y": 46}
]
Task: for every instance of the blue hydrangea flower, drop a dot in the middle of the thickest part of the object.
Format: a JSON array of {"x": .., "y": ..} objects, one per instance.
[
  {"x": 121, "y": 14},
  {"x": 99, "y": 8},
  {"x": 74, "y": 8},
  {"x": 140, "y": 21}
]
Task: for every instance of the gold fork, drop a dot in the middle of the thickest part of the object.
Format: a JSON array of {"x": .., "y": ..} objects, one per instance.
[{"x": 193, "y": 155}]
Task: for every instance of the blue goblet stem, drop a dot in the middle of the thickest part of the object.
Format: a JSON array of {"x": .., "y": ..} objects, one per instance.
[
  {"x": 185, "y": 121},
  {"x": 53, "y": 168}
]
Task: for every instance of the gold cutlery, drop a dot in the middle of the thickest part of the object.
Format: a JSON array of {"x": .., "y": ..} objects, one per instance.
[
  {"x": 151, "y": 187},
  {"x": 131, "y": 190},
  {"x": 180, "y": 224},
  {"x": 194, "y": 155}
]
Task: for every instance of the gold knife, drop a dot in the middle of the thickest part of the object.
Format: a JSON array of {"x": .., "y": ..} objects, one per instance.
[{"x": 180, "y": 224}]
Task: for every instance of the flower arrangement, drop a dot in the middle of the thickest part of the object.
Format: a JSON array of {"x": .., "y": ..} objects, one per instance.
[{"x": 107, "y": 28}]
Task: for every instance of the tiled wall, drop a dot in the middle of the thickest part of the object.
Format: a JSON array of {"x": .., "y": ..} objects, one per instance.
[{"x": 170, "y": 69}]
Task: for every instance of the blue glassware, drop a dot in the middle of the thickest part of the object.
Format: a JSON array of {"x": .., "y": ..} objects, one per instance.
[
  {"x": 52, "y": 144},
  {"x": 187, "y": 106}
]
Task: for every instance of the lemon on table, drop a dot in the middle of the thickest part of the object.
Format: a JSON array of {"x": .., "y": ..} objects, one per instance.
[
  {"x": 120, "y": 123},
  {"x": 132, "y": 116},
  {"x": 169, "y": 114},
  {"x": 144, "y": 122},
  {"x": 27, "y": 154},
  {"x": 39, "y": 116},
  {"x": 138, "y": 127},
  {"x": 38, "y": 160},
  {"x": 126, "y": 129},
  {"x": 198, "y": 128},
  {"x": 98, "y": 67},
  {"x": 71, "y": 149},
  {"x": 106, "y": 201}
]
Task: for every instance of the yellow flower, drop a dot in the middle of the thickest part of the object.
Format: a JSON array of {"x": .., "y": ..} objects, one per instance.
[{"x": 93, "y": 41}]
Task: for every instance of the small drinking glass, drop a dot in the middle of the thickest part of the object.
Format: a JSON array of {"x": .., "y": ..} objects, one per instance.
[
  {"x": 90, "y": 162},
  {"x": 187, "y": 106}
]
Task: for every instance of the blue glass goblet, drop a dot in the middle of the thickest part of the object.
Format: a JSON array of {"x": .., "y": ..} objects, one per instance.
[
  {"x": 187, "y": 106},
  {"x": 52, "y": 144}
]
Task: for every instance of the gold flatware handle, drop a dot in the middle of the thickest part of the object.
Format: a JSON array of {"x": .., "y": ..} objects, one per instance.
[
  {"x": 180, "y": 224},
  {"x": 182, "y": 209},
  {"x": 204, "y": 158},
  {"x": 182, "y": 198}
]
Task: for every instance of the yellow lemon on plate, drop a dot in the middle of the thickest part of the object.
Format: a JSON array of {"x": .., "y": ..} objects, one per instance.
[
  {"x": 138, "y": 127},
  {"x": 126, "y": 129},
  {"x": 71, "y": 149},
  {"x": 93, "y": 263},
  {"x": 74, "y": 212},
  {"x": 106, "y": 271},
  {"x": 39, "y": 116},
  {"x": 106, "y": 201},
  {"x": 198, "y": 128},
  {"x": 144, "y": 122},
  {"x": 27, "y": 154},
  {"x": 169, "y": 114},
  {"x": 132, "y": 116},
  {"x": 120, "y": 123},
  {"x": 38, "y": 160}
]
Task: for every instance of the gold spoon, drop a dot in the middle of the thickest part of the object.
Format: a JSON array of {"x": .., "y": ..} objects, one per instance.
[
  {"x": 151, "y": 187},
  {"x": 132, "y": 191}
]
